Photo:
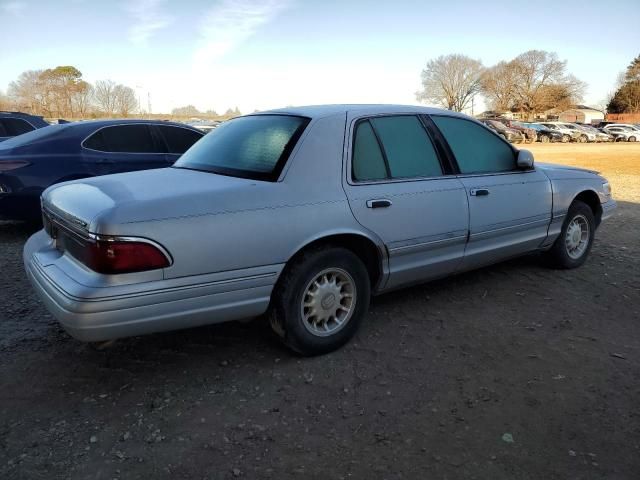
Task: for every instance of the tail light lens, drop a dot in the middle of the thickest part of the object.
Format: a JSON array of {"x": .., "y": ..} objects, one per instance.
[
  {"x": 113, "y": 255},
  {"x": 12, "y": 165}
]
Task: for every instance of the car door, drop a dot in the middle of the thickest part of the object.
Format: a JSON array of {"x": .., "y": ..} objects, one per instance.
[
  {"x": 509, "y": 208},
  {"x": 400, "y": 187},
  {"x": 123, "y": 148},
  {"x": 177, "y": 140}
]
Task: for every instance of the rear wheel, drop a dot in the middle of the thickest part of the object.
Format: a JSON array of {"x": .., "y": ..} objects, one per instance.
[
  {"x": 320, "y": 300},
  {"x": 632, "y": 139},
  {"x": 572, "y": 247},
  {"x": 583, "y": 139},
  {"x": 544, "y": 138}
]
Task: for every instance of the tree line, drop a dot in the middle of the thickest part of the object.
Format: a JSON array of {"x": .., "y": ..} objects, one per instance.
[
  {"x": 626, "y": 99},
  {"x": 530, "y": 83},
  {"x": 61, "y": 92}
]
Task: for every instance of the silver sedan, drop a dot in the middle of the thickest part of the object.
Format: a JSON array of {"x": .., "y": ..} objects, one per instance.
[{"x": 301, "y": 214}]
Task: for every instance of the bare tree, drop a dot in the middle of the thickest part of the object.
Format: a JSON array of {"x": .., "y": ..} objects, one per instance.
[
  {"x": 82, "y": 99},
  {"x": 27, "y": 93},
  {"x": 186, "y": 111},
  {"x": 125, "y": 100},
  {"x": 104, "y": 96},
  {"x": 451, "y": 81},
  {"x": 532, "y": 82}
]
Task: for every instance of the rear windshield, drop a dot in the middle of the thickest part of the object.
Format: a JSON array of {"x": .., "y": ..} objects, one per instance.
[
  {"x": 250, "y": 147},
  {"x": 33, "y": 136}
]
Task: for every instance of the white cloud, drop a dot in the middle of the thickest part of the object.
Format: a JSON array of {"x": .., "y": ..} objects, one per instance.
[
  {"x": 231, "y": 22},
  {"x": 149, "y": 17},
  {"x": 14, "y": 8}
]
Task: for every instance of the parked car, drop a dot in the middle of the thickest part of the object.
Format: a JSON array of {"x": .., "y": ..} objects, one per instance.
[
  {"x": 584, "y": 135},
  {"x": 509, "y": 134},
  {"x": 625, "y": 134},
  {"x": 601, "y": 136},
  {"x": 568, "y": 135},
  {"x": 544, "y": 134},
  {"x": 302, "y": 214},
  {"x": 205, "y": 125},
  {"x": 33, "y": 161},
  {"x": 17, "y": 123}
]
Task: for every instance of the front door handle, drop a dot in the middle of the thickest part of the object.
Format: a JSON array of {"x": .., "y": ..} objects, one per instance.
[
  {"x": 479, "y": 192},
  {"x": 379, "y": 203}
]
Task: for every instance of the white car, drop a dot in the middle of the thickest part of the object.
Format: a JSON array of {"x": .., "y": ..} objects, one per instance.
[
  {"x": 583, "y": 135},
  {"x": 625, "y": 133}
]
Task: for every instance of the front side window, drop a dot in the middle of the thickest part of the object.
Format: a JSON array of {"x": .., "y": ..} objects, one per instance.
[
  {"x": 255, "y": 146},
  {"x": 179, "y": 139},
  {"x": 393, "y": 147},
  {"x": 476, "y": 149},
  {"x": 135, "y": 138}
]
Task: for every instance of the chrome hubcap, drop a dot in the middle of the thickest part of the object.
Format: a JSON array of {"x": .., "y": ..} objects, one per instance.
[
  {"x": 576, "y": 239},
  {"x": 328, "y": 302}
]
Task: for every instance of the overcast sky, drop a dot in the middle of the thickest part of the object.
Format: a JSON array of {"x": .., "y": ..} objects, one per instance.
[{"x": 262, "y": 54}]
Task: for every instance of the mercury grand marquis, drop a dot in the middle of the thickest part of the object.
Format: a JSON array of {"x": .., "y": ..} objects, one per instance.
[{"x": 300, "y": 215}]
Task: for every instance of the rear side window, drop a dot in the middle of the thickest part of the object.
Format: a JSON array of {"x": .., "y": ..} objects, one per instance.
[
  {"x": 393, "y": 147},
  {"x": 179, "y": 139},
  {"x": 476, "y": 149},
  {"x": 368, "y": 162},
  {"x": 16, "y": 126},
  {"x": 123, "y": 139}
]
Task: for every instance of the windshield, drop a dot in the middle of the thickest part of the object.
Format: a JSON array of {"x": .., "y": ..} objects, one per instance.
[
  {"x": 33, "y": 136},
  {"x": 255, "y": 147}
]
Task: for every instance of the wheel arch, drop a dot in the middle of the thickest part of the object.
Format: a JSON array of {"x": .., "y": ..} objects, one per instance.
[
  {"x": 591, "y": 198},
  {"x": 369, "y": 249}
]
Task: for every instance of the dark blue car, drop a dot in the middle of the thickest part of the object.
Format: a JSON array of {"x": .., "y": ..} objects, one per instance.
[
  {"x": 17, "y": 123},
  {"x": 35, "y": 160}
]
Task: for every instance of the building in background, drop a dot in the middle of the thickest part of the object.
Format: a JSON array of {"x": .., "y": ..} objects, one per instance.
[{"x": 581, "y": 114}]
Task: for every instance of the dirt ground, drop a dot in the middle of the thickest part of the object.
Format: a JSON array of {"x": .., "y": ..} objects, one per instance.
[{"x": 510, "y": 372}]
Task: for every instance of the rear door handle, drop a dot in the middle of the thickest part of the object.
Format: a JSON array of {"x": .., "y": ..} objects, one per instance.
[
  {"x": 379, "y": 203},
  {"x": 479, "y": 192}
]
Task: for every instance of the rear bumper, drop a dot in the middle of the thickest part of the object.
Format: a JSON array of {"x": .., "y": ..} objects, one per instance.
[{"x": 154, "y": 307}]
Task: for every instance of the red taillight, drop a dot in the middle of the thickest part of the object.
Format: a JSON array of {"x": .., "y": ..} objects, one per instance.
[
  {"x": 12, "y": 165},
  {"x": 125, "y": 257},
  {"x": 112, "y": 257}
]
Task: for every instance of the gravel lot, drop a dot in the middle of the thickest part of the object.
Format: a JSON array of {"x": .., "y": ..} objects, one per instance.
[{"x": 514, "y": 371}]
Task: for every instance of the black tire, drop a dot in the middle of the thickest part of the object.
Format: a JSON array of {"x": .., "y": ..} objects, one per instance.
[
  {"x": 632, "y": 139},
  {"x": 566, "y": 138},
  {"x": 286, "y": 310},
  {"x": 583, "y": 139},
  {"x": 544, "y": 138},
  {"x": 558, "y": 256}
]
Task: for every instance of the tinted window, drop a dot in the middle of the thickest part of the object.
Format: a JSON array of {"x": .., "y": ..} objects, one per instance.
[
  {"x": 123, "y": 138},
  {"x": 179, "y": 139},
  {"x": 368, "y": 162},
  {"x": 3, "y": 131},
  {"x": 38, "y": 135},
  {"x": 476, "y": 149},
  {"x": 16, "y": 126},
  {"x": 255, "y": 146},
  {"x": 407, "y": 146}
]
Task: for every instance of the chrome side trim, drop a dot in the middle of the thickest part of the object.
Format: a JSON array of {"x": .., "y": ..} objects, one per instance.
[
  {"x": 512, "y": 228},
  {"x": 427, "y": 243}
]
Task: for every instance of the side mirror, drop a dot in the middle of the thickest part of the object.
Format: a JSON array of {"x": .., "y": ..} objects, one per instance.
[{"x": 525, "y": 159}]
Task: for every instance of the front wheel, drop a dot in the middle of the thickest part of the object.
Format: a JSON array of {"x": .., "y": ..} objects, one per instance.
[
  {"x": 544, "y": 139},
  {"x": 632, "y": 139},
  {"x": 320, "y": 301},
  {"x": 566, "y": 138},
  {"x": 572, "y": 247}
]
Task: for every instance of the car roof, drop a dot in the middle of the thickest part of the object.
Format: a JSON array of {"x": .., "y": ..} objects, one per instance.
[{"x": 319, "y": 111}]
